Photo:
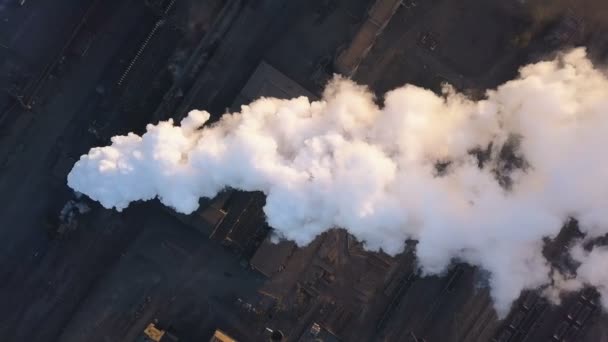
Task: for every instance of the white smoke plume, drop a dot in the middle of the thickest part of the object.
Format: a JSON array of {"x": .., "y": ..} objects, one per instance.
[{"x": 346, "y": 162}]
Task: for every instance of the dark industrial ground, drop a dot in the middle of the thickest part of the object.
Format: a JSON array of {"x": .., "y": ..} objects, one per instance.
[{"x": 75, "y": 72}]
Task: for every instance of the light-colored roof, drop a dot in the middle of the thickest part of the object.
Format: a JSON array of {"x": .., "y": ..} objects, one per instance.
[
  {"x": 220, "y": 336},
  {"x": 153, "y": 333}
]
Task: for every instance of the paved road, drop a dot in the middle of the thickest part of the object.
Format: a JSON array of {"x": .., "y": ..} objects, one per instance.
[
  {"x": 29, "y": 192},
  {"x": 32, "y": 36},
  {"x": 239, "y": 54},
  {"x": 53, "y": 286},
  {"x": 170, "y": 272},
  {"x": 36, "y": 30}
]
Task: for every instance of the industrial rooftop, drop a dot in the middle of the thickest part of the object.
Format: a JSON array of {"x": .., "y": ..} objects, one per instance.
[{"x": 77, "y": 72}]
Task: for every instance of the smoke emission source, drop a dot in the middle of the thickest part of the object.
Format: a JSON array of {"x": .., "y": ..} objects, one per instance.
[{"x": 481, "y": 182}]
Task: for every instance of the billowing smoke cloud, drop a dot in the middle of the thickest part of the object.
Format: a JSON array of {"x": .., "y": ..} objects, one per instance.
[{"x": 346, "y": 162}]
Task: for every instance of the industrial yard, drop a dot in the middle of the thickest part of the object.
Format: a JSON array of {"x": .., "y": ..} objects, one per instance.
[{"x": 77, "y": 72}]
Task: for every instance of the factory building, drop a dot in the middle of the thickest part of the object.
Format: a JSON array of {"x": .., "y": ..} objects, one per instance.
[
  {"x": 378, "y": 17},
  {"x": 220, "y": 336}
]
